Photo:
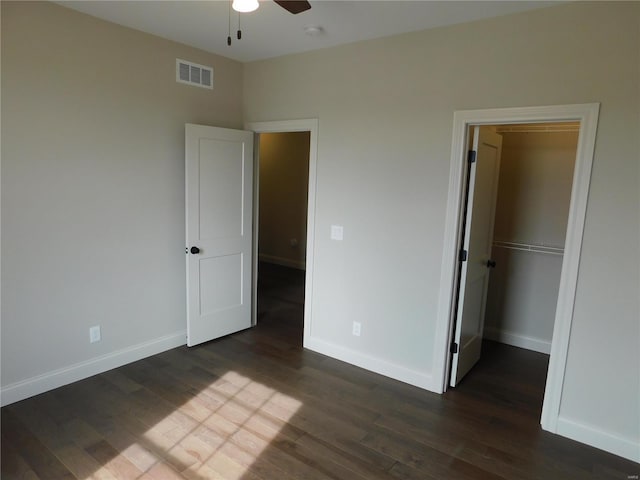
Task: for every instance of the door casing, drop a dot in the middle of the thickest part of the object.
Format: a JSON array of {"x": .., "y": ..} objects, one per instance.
[
  {"x": 303, "y": 125},
  {"x": 587, "y": 115}
]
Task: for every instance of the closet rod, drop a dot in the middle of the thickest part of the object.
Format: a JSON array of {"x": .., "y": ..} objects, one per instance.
[
  {"x": 537, "y": 129},
  {"x": 529, "y": 247}
]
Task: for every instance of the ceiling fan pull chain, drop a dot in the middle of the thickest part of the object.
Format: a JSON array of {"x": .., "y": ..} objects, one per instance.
[
  {"x": 229, "y": 26},
  {"x": 245, "y": 6}
]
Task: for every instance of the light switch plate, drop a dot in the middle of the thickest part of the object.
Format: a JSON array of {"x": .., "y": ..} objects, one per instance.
[{"x": 337, "y": 232}]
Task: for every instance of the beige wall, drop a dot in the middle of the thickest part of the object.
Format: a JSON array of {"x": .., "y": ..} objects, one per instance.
[
  {"x": 534, "y": 191},
  {"x": 385, "y": 110},
  {"x": 93, "y": 186},
  {"x": 284, "y": 180}
]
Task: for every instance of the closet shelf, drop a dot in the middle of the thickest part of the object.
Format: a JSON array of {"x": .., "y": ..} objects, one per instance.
[
  {"x": 539, "y": 127},
  {"x": 529, "y": 247}
]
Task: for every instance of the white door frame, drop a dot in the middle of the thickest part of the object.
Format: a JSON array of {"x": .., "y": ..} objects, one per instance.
[
  {"x": 305, "y": 125},
  {"x": 587, "y": 115}
]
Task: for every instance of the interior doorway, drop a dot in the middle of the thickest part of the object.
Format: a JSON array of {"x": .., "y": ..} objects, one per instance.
[
  {"x": 283, "y": 183},
  {"x": 586, "y": 115},
  {"x": 283, "y": 226},
  {"x": 516, "y": 210},
  {"x": 283, "y": 171},
  {"x": 519, "y": 180}
]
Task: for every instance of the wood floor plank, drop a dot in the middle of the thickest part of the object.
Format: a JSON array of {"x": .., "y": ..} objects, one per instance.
[
  {"x": 61, "y": 439},
  {"x": 359, "y": 464},
  {"x": 12, "y": 465},
  {"x": 420, "y": 457},
  {"x": 265, "y": 451},
  {"x": 133, "y": 448},
  {"x": 124, "y": 382},
  {"x": 333, "y": 405},
  {"x": 234, "y": 462},
  {"x": 107, "y": 416},
  {"x": 83, "y": 465},
  {"x": 469, "y": 448},
  {"x": 41, "y": 425},
  {"x": 163, "y": 471},
  {"x": 257, "y": 406},
  {"x": 201, "y": 471},
  {"x": 39, "y": 459},
  {"x": 110, "y": 459}
]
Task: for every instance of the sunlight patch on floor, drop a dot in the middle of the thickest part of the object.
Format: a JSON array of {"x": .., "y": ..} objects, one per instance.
[{"x": 220, "y": 432}]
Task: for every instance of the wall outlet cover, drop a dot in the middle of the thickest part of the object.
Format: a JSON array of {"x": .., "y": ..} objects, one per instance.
[
  {"x": 94, "y": 334},
  {"x": 356, "y": 328}
]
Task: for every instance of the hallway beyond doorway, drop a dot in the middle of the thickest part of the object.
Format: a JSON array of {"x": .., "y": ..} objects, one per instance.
[{"x": 281, "y": 301}]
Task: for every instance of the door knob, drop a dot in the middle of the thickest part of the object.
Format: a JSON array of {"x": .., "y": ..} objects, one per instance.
[
  {"x": 491, "y": 263},
  {"x": 195, "y": 250}
]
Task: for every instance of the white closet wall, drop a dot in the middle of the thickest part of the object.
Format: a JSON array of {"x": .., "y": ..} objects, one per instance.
[{"x": 531, "y": 220}]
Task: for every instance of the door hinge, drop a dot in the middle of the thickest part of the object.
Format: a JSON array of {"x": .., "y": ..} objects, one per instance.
[
  {"x": 462, "y": 257},
  {"x": 472, "y": 156},
  {"x": 453, "y": 348}
]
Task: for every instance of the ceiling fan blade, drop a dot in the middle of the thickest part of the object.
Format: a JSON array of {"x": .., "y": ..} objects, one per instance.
[{"x": 294, "y": 6}]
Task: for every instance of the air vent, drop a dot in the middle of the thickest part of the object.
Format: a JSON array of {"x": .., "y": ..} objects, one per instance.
[{"x": 194, "y": 74}]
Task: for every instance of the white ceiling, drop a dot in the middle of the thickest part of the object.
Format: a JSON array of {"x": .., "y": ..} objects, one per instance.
[{"x": 271, "y": 31}]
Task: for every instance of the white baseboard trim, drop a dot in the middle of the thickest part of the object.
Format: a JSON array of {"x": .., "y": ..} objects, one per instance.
[
  {"x": 623, "y": 447},
  {"x": 285, "y": 262},
  {"x": 517, "y": 340},
  {"x": 382, "y": 367},
  {"x": 64, "y": 376}
]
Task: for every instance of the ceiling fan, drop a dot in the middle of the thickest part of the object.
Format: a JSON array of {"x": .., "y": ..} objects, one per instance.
[
  {"x": 246, "y": 6},
  {"x": 294, "y": 6},
  {"x": 291, "y": 6}
]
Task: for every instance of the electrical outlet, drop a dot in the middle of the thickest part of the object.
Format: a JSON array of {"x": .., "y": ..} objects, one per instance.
[
  {"x": 356, "y": 329},
  {"x": 94, "y": 334},
  {"x": 337, "y": 232}
]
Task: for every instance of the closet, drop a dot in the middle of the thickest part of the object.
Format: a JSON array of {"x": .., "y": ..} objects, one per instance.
[{"x": 532, "y": 208}]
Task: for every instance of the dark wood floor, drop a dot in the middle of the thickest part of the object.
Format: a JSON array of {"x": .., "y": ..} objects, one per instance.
[{"x": 255, "y": 406}]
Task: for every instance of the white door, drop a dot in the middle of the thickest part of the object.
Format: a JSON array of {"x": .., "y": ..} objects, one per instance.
[
  {"x": 478, "y": 236},
  {"x": 219, "y": 202}
]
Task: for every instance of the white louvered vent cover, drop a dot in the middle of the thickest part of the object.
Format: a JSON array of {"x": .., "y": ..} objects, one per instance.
[{"x": 194, "y": 74}]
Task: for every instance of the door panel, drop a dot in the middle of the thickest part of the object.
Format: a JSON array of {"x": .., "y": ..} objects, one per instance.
[
  {"x": 221, "y": 182},
  {"x": 220, "y": 283},
  {"x": 219, "y": 189},
  {"x": 474, "y": 272}
]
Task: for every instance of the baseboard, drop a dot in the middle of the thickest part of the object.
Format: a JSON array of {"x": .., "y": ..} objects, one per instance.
[
  {"x": 64, "y": 376},
  {"x": 285, "y": 262},
  {"x": 517, "y": 340},
  {"x": 382, "y": 367},
  {"x": 623, "y": 447}
]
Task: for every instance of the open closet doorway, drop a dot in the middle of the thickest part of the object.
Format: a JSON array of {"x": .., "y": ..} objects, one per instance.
[
  {"x": 584, "y": 115},
  {"x": 284, "y": 205},
  {"x": 532, "y": 210},
  {"x": 517, "y": 207},
  {"x": 516, "y": 210}
]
